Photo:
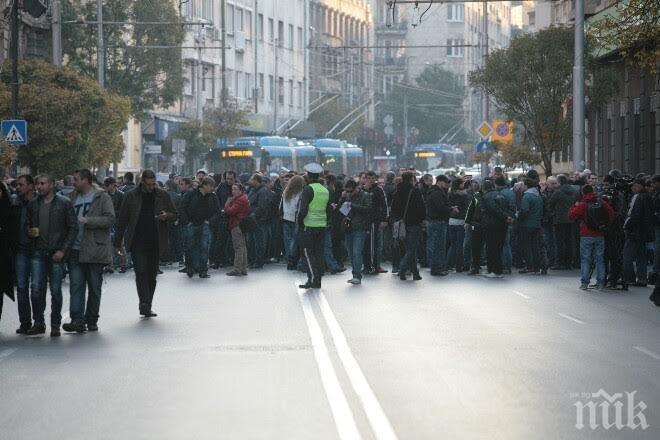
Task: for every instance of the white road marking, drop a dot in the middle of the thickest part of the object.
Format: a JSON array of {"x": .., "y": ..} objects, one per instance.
[
  {"x": 571, "y": 318},
  {"x": 380, "y": 425},
  {"x": 341, "y": 412},
  {"x": 646, "y": 351},
  {"x": 6, "y": 353},
  {"x": 521, "y": 294}
]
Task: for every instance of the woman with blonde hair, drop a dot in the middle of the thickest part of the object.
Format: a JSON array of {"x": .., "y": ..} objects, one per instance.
[{"x": 289, "y": 211}]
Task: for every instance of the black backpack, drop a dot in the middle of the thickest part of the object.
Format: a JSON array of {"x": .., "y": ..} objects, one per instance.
[{"x": 597, "y": 217}]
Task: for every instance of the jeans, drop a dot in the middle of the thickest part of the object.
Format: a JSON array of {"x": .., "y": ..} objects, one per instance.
[
  {"x": 563, "y": 238},
  {"x": 507, "y": 254},
  {"x": 412, "y": 242},
  {"x": 290, "y": 234},
  {"x": 494, "y": 236},
  {"x": 84, "y": 276},
  {"x": 145, "y": 259},
  {"x": 355, "y": 245},
  {"x": 199, "y": 240},
  {"x": 634, "y": 260},
  {"x": 329, "y": 257},
  {"x": 45, "y": 270},
  {"x": 436, "y": 245},
  {"x": 467, "y": 247},
  {"x": 592, "y": 251},
  {"x": 551, "y": 248},
  {"x": 258, "y": 240},
  {"x": 456, "y": 236},
  {"x": 23, "y": 268}
]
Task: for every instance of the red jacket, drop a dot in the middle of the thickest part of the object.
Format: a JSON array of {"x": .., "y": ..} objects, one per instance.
[
  {"x": 579, "y": 212},
  {"x": 237, "y": 209}
]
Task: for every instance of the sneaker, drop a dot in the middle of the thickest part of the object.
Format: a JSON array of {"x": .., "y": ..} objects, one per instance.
[
  {"x": 354, "y": 281},
  {"x": 23, "y": 329},
  {"x": 584, "y": 286},
  {"x": 92, "y": 327},
  {"x": 122, "y": 270},
  {"x": 77, "y": 328},
  {"x": 381, "y": 270},
  {"x": 36, "y": 330},
  {"x": 416, "y": 277}
]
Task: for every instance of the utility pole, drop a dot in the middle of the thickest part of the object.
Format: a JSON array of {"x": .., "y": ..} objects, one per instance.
[
  {"x": 100, "y": 51},
  {"x": 578, "y": 89},
  {"x": 276, "y": 84},
  {"x": 485, "y": 58},
  {"x": 405, "y": 122},
  {"x": 57, "y": 32},
  {"x": 199, "y": 77},
  {"x": 255, "y": 38},
  {"x": 223, "y": 19},
  {"x": 14, "y": 59}
]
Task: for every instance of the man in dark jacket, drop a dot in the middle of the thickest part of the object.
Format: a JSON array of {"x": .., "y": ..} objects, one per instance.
[
  {"x": 639, "y": 230},
  {"x": 379, "y": 215},
  {"x": 52, "y": 226},
  {"x": 360, "y": 218},
  {"x": 110, "y": 185},
  {"x": 199, "y": 209},
  {"x": 558, "y": 205},
  {"x": 261, "y": 207},
  {"x": 25, "y": 193},
  {"x": 496, "y": 215},
  {"x": 530, "y": 217},
  {"x": 437, "y": 216},
  {"x": 408, "y": 205},
  {"x": 143, "y": 221},
  {"x": 221, "y": 248}
]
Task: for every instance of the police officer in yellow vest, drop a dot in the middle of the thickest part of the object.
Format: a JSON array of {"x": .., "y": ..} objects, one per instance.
[{"x": 312, "y": 220}]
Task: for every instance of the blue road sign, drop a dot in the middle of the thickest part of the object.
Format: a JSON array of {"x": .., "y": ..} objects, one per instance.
[
  {"x": 14, "y": 131},
  {"x": 481, "y": 146}
]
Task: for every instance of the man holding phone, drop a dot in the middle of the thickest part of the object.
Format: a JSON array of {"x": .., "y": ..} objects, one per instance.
[
  {"x": 143, "y": 227},
  {"x": 52, "y": 228}
]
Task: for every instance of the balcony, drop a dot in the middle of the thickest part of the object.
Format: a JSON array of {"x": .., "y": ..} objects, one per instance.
[{"x": 392, "y": 63}]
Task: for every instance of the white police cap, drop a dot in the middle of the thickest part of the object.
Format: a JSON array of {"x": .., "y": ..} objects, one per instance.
[{"x": 313, "y": 168}]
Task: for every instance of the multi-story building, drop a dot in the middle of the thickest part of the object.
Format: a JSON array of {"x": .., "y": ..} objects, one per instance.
[
  {"x": 457, "y": 32},
  {"x": 390, "y": 31},
  {"x": 341, "y": 53},
  {"x": 265, "y": 57}
]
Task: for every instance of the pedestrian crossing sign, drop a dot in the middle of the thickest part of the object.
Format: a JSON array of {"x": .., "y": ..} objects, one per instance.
[{"x": 14, "y": 131}]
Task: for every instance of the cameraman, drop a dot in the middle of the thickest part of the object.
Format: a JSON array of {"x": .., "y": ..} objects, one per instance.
[
  {"x": 638, "y": 227},
  {"x": 613, "y": 191}
]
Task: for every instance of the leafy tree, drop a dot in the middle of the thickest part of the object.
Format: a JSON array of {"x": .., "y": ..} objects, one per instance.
[
  {"x": 72, "y": 122},
  {"x": 151, "y": 77},
  {"x": 434, "y": 104},
  {"x": 633, "y": 28},
  {"x": 531, "y": 80},
  {"x": 200, "y": 136}
]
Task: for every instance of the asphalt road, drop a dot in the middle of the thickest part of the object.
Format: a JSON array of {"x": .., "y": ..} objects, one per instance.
[{"x": 255, "y": 358}]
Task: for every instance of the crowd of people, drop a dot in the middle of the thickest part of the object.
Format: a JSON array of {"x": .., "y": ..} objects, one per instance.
[{"x": 315, "y": 222}]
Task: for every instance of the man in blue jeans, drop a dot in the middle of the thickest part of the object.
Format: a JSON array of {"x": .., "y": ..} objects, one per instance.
[
  {"x": 90, "y": 253},
  {"x": 52, "y": 227},
  {"x": 359, "y": 218},
  {"x": 437, "y": 216},
  {"x": 25, "y": 188},
  {"x": 592, "y": 236},
  {"x": 199, "y": 209}
]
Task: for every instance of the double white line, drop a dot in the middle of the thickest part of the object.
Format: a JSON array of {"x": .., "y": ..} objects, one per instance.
[{"x": 341, "y": 411}]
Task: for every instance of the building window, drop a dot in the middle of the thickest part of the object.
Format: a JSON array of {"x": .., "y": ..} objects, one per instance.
[
  {"x": 271, "y": 30},
  {"x": 261, "y": 87},
  {"x": 271, "y": 88},
  {"x": 230, "y": 19},
  {"x": 300, "y": 94},
  {"x": 280, "y": 90},
  {"x": 239, "y": 85},
  {"x": 280, "y": 33},
  {"x": 207, "y": 10},
  {"x": 454, "y": 48},
  {"x": 248, "y": 25},
  {"x": 300, "y": 40},
  {"x": 290, "y": 37},
  {"x": 455, "y": 12},
  {"x": 260, "y": 27},
  {"x": 239, "y": 19},
  {"x": 291, "y": 93}
]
